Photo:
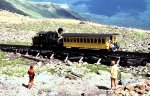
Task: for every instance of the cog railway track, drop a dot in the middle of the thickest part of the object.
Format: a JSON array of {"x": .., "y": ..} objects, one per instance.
[{"x": 92, "y": 56}]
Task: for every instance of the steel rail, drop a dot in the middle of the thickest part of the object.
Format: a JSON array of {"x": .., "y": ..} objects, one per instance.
[{"x": 75, "y": 52}]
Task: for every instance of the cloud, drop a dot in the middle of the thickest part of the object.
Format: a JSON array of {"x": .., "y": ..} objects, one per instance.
[{"x": 64, "y": 6}]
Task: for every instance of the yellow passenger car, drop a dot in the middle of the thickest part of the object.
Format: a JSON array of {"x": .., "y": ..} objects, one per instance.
[{"x": 88, "y": 41}]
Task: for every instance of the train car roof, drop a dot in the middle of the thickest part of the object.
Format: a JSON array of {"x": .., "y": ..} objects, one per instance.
[
  {"x": 86, "y": 35},
  {"x": 46, "y": 32}
]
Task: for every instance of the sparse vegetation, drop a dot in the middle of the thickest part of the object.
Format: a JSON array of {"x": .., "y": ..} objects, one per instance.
[
  {"x": 47, "y": 69},
  {"x": 4, "y": 61},
  {"x": 95, "y": 68},
  {"x": 14, "y": 72},
  {"x": 12, "y": 62},
  {"x": 17, "y": 62},
  {"x": 14, "y": 43},
  {"x": 2, "y": 56},
  {"x": 7, "y": 66}
]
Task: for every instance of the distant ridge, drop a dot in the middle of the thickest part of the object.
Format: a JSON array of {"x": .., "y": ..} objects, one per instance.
[
  {"x": 123, "y": 13},
  {"x": 38, "y": 10},
  {"x": 4, "y": 5}
]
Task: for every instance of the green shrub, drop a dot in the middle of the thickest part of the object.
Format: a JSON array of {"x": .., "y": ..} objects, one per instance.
[
  {"x": 4, "y": 63},
  {"x": 95, "y": 68},
  {"x": 50, "y": 70},
  {"x": 12, "y": 72}
]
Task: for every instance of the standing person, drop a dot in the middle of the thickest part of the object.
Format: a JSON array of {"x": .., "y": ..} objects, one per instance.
[
  {"x": 114, "y": 73},
  {"x": 31, "y": 76}
]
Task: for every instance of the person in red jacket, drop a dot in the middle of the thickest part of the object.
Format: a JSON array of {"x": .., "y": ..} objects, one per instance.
[{"x": 31, "y": 76}]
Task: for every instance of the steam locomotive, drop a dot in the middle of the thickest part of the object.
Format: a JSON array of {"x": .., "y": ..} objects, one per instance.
[{"x": 59, "y": 39}]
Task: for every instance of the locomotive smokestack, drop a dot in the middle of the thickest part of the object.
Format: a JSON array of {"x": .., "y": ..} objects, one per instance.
[{"x": 60, "y": 31}]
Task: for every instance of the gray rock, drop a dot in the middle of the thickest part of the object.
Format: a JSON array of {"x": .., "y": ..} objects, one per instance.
[{"x": 148, "y": 66}]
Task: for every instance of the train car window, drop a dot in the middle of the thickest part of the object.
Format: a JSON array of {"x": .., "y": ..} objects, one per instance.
[
  {"x": 99, "y": 40},
  {"x": 77, "y": 39},
  {"x": 69, "y": 39},
  {"x": 103, "y": 41},
  {"x": 65, "y": 40},
  {"x": 84, "y": 40},
  {"x": 81, "y": 40},
  {"x": 111, "y": 38},
  {"x": 108, "y": 40},
  {"x": 95, "y": 40},
  {"x": 88, "y": 40},
  {"x": 92, "y": 40}
]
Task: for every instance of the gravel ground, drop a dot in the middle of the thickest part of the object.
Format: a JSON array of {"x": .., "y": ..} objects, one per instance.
[
  {"x": 46, "y": 84},
  {"x": 62, "y": 84},
  {"x": 12, "y": 35}
]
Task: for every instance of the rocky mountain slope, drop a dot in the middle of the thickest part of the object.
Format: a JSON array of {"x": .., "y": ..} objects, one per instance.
[
  {"x": 54, "y": 77},
  {"x": 13, "y": 27},
  {"x": 37, "y": 10},
  {"x": 4, "y": 5}
]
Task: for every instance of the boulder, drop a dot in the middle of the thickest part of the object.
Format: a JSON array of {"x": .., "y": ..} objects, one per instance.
[{"x": 71, "y": 77}]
